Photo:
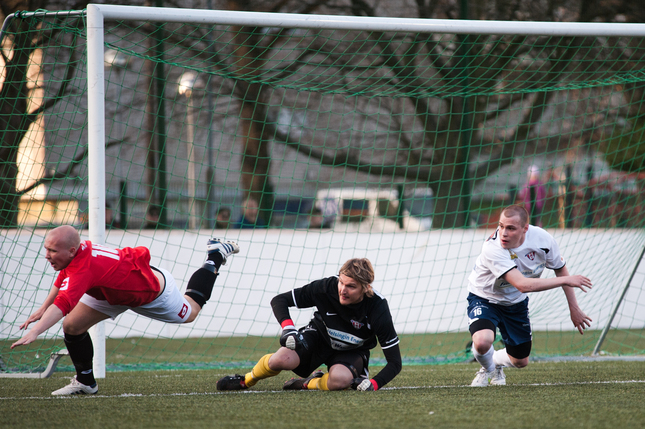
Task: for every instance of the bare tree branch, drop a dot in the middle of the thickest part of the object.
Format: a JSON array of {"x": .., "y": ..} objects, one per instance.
[
  {"x": 70, "y": 70},
  {"x": 65, "y": 172}
]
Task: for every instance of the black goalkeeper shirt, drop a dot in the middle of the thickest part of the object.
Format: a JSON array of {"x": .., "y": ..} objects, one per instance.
[{"x": 346, "y": 327}]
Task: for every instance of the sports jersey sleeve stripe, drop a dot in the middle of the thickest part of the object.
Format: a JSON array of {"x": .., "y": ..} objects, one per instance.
[
  {"x": 293, "y": 296},
  {"x": 391, "y": 345},
  {"x": 510, "y": 269}
]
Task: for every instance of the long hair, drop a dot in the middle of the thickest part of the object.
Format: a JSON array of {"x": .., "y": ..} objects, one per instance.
[{"x": 361, "y": 270}]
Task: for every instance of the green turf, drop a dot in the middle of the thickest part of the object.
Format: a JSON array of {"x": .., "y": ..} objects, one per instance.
[
  {"x": 543, "y": 395},
  {"x": 211, "y": 353}
]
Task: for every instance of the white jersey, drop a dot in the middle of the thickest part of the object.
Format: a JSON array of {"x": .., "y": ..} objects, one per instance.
[{"x": 538, "y": 251}]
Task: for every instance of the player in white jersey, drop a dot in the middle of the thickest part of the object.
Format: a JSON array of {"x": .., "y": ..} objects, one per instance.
[{"x": 509, "y": 266}]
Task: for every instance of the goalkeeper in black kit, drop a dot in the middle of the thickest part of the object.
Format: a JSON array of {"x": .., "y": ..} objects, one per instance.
[{"x": 350, "y": 317}]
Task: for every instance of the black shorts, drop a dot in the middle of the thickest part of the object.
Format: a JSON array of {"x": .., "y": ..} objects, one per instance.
[{"x": 319, "y": 353}]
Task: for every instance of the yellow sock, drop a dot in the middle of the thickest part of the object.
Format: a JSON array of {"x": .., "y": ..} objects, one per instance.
[
  {"x": 318, "y": 383},
  {"x": 260, "y": 371}
]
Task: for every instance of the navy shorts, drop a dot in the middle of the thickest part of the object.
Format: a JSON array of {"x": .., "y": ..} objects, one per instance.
[{"x": 512, "y": 320}]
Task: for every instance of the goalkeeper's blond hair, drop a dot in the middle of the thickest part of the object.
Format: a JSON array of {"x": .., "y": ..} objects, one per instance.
[{"x": 361, "y": 270}]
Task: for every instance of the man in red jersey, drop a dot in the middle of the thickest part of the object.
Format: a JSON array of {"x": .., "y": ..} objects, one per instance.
[{"x": 96, "y": 282}]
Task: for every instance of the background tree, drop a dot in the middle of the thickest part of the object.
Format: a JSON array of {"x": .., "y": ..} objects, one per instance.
[
  {"x": 17, "y": 112},
  {"x": 438, "y": 152},
  {"x": 459, "y": 88}
]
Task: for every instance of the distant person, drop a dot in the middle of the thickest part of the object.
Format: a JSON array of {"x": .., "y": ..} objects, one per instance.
[
  {"x": 249, "y": 218},
  {"x": 509, "y": 266},
  {"x": 533, "y": 195},
  {"x": 223, "y": 219},
  {"x": 349, "y": 319},
  {"x": 96, "y": 282},
  {"x": 152, "y": 217}
]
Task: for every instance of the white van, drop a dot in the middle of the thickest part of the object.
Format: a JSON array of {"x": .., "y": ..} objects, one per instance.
[{"x": 375, "y": 210}]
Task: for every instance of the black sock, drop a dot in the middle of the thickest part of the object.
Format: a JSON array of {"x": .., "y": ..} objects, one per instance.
[
  {"x": 201, "y": 284},
  {"x": 81, "y": 352},
  {"x": 216, "y": 258}
]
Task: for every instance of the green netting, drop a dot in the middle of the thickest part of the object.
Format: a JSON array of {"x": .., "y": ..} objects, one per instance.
[{"x": 400, "y": 147}]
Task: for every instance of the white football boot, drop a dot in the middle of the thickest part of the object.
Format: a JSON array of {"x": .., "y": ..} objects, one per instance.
[
  {"x": 498, "y": 378},
  {"x": 76, "y": 388},
  {"x": 482, "y": 378},
  {"x": 225, "y": 248}
]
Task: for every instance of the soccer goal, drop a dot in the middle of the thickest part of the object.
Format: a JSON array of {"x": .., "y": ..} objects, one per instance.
[{"x": 399, "y": 140}]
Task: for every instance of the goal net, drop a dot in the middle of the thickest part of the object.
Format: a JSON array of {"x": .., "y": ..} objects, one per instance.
[{"x": 399, "y": 140}]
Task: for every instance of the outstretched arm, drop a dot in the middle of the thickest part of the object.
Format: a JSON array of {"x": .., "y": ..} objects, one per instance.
[
  {"x": 393, "y": 367},
  {"x": 580, "y": 320},
  {"x": 527, "y": 284},
  {"x": 39, "y": 313},
  {"x": 52, "y": 315}
]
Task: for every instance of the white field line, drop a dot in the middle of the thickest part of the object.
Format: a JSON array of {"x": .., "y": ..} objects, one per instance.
[{"x": 248, "y": 392}]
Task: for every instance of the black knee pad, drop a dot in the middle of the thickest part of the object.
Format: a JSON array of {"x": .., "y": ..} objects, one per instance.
[
  {"x": 520, "y": 351},
  {"x": 481, "y": 324},
  {"x": 353, "y": 370},
  {"x": 71, "y": 339},
  {"x": 355, "y": 362},
  {"x": 200, "y": 286}
]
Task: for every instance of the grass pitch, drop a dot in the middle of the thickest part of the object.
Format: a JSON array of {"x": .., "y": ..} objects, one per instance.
[{"x": 594, "y": 394}]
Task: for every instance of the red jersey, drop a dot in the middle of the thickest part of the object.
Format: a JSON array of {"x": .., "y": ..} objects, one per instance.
[{"x": 118, "y": 276}]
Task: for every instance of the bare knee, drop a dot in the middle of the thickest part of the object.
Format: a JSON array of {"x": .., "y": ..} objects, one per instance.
[
  {"x": 81, "y": 319},
  {"x": 483, "y": 340},
  {"x": 73, "y": 329},
  {"x": 519, "y": 363},
  {"x": 340, "y": 377},
  {"x": 335, "y": 384},
  {"x": 284, "y": 359},
  {"x": 482, "y": 348}
]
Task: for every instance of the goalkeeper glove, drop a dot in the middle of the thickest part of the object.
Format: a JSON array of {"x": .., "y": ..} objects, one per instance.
[
  {"x": 292, "y": 339},
  {"x": 363, "y": 384}
]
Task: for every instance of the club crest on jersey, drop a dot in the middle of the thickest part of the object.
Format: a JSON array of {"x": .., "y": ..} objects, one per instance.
[
  {"x": 531, "y": 256},
  {"x": 357, "y": 325}
]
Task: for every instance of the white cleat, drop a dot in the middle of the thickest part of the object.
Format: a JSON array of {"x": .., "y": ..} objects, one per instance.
[
  {"x": 482, "y": 378},
  {"x": 76, "y": 388},
  {"x": 225, "y": 248},
  {"x": 498, "y": 378}
]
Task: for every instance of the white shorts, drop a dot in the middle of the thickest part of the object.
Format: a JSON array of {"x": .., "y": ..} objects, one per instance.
[{"x": 170, "y": 307}]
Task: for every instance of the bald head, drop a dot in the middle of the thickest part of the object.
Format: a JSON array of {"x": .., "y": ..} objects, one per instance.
[
  {"x": 61, "y": 245},
  {"x": 66, "y": 235}
]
